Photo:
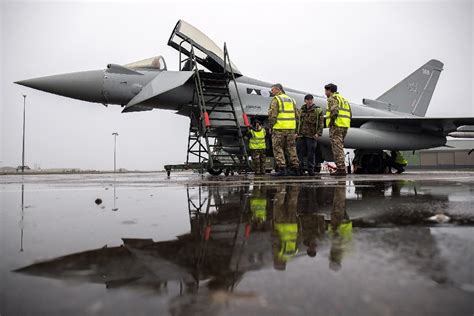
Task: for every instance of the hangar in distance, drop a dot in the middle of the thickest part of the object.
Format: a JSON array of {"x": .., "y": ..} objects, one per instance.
[{"x": 219, "y": 99}]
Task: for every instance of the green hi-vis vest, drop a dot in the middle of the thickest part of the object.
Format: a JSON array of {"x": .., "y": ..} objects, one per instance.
[
  {"x": 258, "y": 207},
  {"x": 286, "y": 112},
  {"x": 258, "y": 139},
  {"x": 344, "y": 230},
  {"x": 288, "y": 234},
  {"x": 344, "y": 113},
  {"x": 399, "y": 159}
]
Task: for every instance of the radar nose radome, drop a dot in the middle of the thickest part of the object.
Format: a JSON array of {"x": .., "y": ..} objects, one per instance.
[{"x": 84, "y": 85}]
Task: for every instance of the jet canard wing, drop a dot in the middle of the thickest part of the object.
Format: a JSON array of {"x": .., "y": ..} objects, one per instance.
[{"x": 163, "y": 82}]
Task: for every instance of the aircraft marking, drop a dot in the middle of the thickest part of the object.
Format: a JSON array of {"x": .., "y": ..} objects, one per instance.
[{"x": 259, "y": 92}]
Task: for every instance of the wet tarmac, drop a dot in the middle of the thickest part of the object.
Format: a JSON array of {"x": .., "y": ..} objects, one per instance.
[{"x": 142, "y": 244}]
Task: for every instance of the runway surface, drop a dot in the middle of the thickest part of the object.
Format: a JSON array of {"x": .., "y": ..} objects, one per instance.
[{"x": 141, "y": 244}]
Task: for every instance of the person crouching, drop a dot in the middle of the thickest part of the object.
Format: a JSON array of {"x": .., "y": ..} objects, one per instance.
[{"x": 257, "y": 147}]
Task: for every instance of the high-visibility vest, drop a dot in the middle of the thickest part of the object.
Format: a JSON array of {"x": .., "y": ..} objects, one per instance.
[
  {"x": 344, "y": 113},
  {"x": 286, "y": 112},
  {"x": 344, "y": 230},
  {"x": 288, "y": 235},
  {"x": 258, "y": 207},
  {"x": 258, "y": 139},
  {"x": 399, "y": 159}
]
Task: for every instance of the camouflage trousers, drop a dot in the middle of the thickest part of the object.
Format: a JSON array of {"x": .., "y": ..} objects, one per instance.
[
  {"x": 284, "y": 142},
  {"x": 258, "y": 160},
  {"x": 336, "y": 136}
]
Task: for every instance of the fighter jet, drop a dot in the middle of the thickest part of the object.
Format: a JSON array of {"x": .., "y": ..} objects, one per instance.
[{"x": 219, "y": 96}]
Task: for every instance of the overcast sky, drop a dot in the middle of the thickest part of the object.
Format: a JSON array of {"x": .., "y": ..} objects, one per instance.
[{"x": 364, "y": 47}]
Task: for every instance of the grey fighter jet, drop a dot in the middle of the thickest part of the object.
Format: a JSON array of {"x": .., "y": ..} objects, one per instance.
[{"x": 394, "y": 121}]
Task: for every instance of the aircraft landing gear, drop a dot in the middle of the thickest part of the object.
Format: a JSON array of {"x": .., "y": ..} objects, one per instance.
[
  {"x": 369, "y": 162},
  {"x": 214, "y": 171}
]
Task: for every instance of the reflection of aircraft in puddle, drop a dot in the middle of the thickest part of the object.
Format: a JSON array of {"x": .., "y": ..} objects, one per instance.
[
  {"x": 231, "y": 233},
  {"x": 239, "y": 229}
]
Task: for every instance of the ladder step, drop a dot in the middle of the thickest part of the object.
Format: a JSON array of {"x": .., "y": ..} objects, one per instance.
[
  {"x": 222, "y": 119},
  {"x": 216, "y": 88},
  {"x": 212, "y": 80},
  {"x": 227, "y": 146},
  {"x": 214, "y": 85},
  {"x": 220, "y": 91},
  {"x": 218, "y": 104},
  {"x": 216, "y": 94},
  {"x": 221, "y": 111},
  {"x": 212, "y": 75}
]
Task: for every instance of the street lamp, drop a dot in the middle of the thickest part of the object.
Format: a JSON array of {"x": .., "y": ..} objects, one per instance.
[
  {"x": 115, "y": 151},
  {"x": 23, "y": 151}
]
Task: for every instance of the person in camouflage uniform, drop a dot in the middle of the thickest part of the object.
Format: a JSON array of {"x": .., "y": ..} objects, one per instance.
[
  {"x": 338, "y": 118},
  {"x": 340, "y": 228},
  {"x": 310, "y": 219},
  {"x": 282, "y": 115},
  {"x": 310, "y": 128},
  {"x": 285, "y": 235}
]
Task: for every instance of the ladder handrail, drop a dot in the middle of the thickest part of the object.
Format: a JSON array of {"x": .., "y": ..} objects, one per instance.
[
  {"x": 201, "y": 102},
  {"x": 227, "y": 58},
  {"x": 192, "y": 57}
]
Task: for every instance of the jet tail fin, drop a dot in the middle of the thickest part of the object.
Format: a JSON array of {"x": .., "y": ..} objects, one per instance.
[{"x": 413, "y": 94}]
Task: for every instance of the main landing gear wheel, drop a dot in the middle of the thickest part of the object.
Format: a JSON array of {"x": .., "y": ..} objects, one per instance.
[
  {"x": 373, "y": 163},
  {"x": 214, "y": 172}
]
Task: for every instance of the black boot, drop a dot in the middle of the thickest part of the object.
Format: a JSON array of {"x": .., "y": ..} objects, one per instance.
[
  {"x": 281, "y": 172},
  {"x": 311, "y": 172},
  {"x": 400, "y": 170},
  {"x": 339, "y": 172},
  {"x": 294, "y": 172}
]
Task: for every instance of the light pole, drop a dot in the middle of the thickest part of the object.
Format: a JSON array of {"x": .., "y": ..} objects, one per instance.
[
  {"x": 23, "y": 151},
  {"x": 22, "y": 225},
  {"x": 115, "y": 151}
]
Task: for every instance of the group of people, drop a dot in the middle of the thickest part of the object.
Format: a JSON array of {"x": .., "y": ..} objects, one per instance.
[
  {"x": 292, "y": 214},
  {"x": 295, "y": 132}
]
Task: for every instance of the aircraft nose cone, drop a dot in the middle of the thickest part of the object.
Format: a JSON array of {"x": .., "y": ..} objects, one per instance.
[{"x": 85, "y": 85}]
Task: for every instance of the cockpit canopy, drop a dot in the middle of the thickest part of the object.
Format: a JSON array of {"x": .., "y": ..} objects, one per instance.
[
  {"x": 207, "y": 53},
  {"x": 157, "y": 62}
]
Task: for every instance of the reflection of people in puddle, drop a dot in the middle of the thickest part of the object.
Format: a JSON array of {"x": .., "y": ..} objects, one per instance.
[
  {"x": 258, "y": 209},
  {"x": 285, "y": 225},
  {"x": 340, "y": 229},
  {"x": 312, "y": 229},
  {"x": 312, "y": 225}
]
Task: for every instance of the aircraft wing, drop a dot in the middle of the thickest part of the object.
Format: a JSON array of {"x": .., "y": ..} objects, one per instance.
[
  {"x": 163, "y": 82},
  {"x": 438, "y": 125}
]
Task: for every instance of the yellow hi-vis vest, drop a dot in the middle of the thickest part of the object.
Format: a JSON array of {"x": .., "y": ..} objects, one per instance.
[
  {"x": 344, "y": 113},
  {"x": 288, "y": 235},
  {"x": 344, "y": 230},
  {"x": 399, "y": 159},
  {"x": 258, "y": 207},
  {"x": 257, "y": 141},
  {"x": 286, "y": 112}
]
